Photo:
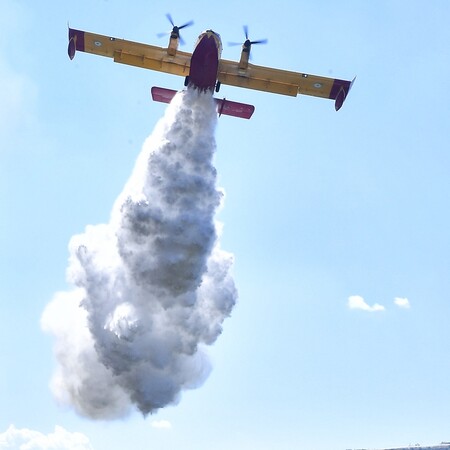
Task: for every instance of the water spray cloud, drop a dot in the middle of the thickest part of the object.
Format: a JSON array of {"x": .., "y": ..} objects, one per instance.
[{"x": 152, "y": 287}]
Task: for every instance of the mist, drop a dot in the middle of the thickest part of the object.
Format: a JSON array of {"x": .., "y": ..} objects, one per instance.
[{"x": 149, "y": 290}]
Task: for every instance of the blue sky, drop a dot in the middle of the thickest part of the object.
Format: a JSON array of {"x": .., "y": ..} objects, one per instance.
[{"x": 327, "y": 214}]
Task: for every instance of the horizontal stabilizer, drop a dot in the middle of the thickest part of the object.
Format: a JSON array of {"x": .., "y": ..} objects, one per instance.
[
  {"x": 223, "y": 106},
  {"x": 235, "y": 109},
  {"x": 162, "y": 95}
]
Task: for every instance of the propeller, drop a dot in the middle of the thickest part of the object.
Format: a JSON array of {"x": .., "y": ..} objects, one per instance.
[
  {"x": 176, "y": 29},
  {"x": 248, "y": 43}
]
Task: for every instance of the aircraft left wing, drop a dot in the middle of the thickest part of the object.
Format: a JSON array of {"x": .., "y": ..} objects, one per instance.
[
  {"x": 128, "y": 52},
  {"x": 283, "y": 81}
]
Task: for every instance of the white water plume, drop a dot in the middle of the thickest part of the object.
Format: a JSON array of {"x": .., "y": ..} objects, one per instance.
[{"x": 151, "y": 287}]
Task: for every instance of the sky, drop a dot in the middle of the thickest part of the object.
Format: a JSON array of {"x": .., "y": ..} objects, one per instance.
[{"x": 338, "y": 222}]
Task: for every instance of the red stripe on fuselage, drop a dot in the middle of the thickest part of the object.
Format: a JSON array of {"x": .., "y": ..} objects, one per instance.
[{"x": 205, "y": 63}]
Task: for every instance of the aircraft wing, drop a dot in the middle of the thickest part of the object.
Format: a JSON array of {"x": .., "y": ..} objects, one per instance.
[
  {"x": 283, "y": 81},
  {"x": 128, "y": 52}
]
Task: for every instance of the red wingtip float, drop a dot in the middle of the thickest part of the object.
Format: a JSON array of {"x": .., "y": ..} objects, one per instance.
[
  {"x": 342, "y": 88},
  {"x": 205, "y": 70}
]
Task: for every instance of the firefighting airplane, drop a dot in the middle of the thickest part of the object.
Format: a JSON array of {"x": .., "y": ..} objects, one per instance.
[{"x": 206, "y": 71}]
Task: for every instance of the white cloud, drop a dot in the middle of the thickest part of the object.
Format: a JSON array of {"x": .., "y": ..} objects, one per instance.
[
  {"x": 161, "y": 424},
  {"x": 402, "y": 302},
  {"x": 24, "y": 439},
  {"x": 357, "y": 302}
]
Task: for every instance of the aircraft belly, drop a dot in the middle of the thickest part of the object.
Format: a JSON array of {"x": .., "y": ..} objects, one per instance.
[{"x": 204, "y": 64}]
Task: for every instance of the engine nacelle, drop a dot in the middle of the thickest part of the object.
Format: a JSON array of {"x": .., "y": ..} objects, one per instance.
[{"x": 173, "y": 45}]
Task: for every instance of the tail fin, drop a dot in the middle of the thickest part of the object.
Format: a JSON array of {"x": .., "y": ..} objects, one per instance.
[{"x": 224, "y": 106}]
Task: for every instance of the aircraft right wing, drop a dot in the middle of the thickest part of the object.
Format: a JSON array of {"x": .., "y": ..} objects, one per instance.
[{"x": 283, "y": 81}]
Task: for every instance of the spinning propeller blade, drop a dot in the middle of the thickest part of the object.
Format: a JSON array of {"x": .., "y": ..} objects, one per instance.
[
  {"x": 176, "y": 29},
  {"x": 248, "y": 43}
]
